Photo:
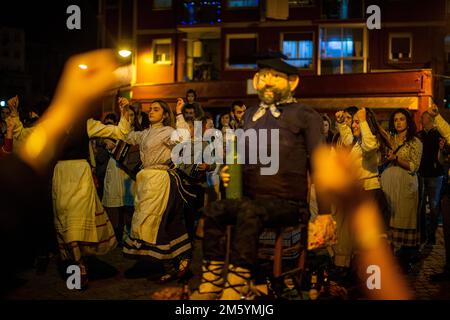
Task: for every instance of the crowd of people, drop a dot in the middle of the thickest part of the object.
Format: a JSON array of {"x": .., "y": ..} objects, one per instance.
[{"x": 88, "y": 201}]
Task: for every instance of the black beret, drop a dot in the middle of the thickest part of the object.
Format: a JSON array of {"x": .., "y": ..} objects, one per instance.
[{"x": 277, "y": 64}]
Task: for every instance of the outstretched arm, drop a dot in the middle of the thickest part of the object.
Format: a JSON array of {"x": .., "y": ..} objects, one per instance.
[{"x": 77, "y": 88}]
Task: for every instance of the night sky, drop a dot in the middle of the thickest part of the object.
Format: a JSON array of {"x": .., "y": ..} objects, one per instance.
[
  {"x": 45, "y": 22},
  {"x": 48, "y": 41}
]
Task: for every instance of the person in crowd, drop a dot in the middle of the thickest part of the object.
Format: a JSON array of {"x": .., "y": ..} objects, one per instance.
[
  {"x": 5, "y": 113},
  {"x": 194, "y": 176},
  {"x": 7, "y": 145},
  {"x": 192, "y": 109},
  {"x": 82, "y": 225},
  {"x": 237, "y": 114},
  {"x": 400, "y": 184},
  {"x": 158, "y": 230},
  {"x": 431, "y": 177},
  {"x": 224, "y": 122},
  {"x": 110, "y": 118},
  {"x": 327, "y": 129},
  {"x": 269, "y": 200},
  {"x": 444, "y": 129},
  {"x": 102, "y": 155},
  {"x": 367, "y": 143},
  {"x": 141, "y": 121},
  {"x": 346, "y": 125},
  {"x": 24, "y": 173},
  {"x": 209, "y": 120}
]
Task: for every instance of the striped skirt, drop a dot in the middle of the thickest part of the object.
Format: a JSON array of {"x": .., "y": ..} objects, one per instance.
[
  {"x": 404, "y": 237},
  {"x": 79, "y": 217},
  {"x": 171, "y": 240}
]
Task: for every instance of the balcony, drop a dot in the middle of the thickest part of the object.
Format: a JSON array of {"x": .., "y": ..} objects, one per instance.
[{"x": 196, "y": 12}]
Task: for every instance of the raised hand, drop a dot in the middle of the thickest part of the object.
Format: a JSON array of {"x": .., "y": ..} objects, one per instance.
[
  {"x": 433, "y": 110},
  {"x": 180, "y": 104},
  {"x": 225, "y": 176},
  {"x": 340, "y": 117},
  {"x": 13, "y": 104},
  {"x": 124, "y": 107}
]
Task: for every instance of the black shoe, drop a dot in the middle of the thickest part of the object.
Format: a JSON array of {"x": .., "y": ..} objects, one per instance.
[
  {"x": 99, "y": 270},
  {"x": 440, "y": 277}
]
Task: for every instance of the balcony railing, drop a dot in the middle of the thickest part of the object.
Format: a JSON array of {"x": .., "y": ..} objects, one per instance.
[{"x": 199, "y": 12}]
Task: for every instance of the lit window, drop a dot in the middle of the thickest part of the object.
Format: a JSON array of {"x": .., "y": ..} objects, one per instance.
[
  {"x": 241, "y": 49},
  {"x": 242, "y": 3},
  {"x": 299, "y": 48},
  {"x": 400, "y": 47},
  {"x": 162, "y": 4},
  {"x": 161, "y": 51},
  {"x": 342, "y": 50}
]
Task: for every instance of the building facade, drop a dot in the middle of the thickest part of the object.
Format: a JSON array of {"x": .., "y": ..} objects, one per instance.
[{"x": 211, "y": 45}]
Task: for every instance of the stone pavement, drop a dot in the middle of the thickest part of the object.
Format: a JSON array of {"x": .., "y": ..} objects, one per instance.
[
  {"x": 432, "y": 262},
  {"x": 49, "y": 286}
]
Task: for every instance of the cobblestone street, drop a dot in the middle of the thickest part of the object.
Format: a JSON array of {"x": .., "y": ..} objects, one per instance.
[{"x": 49, "y": 285}]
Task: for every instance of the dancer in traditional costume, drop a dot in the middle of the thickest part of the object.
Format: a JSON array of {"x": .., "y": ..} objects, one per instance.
[{"x": 158, "y": 230}]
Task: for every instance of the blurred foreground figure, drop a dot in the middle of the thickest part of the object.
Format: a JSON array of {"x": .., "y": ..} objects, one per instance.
[
  {"x": 339, "y": 181},
  {"x": 22, "y": 189}
]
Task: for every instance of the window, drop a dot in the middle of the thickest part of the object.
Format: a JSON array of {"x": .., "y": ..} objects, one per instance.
[
  {"x": 301, "y": 3},
  {"x": 299, "y": 48},
  {"x": 400, "y": 47},
  {"x": 161, "y": 51},
  {"x": 342, "y": 9},
  {"x": 342, "y": 50},
  {"x": 162, "y": 4},
  {"x": 240, "y": 51},
  {"x": 242, "y": 3}
]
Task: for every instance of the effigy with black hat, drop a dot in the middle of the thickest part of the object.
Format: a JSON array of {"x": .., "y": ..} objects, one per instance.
[{"x": 275, "y": 61}]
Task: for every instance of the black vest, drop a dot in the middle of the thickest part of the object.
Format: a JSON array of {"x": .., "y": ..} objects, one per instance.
[{"x": 300, "y": 132}]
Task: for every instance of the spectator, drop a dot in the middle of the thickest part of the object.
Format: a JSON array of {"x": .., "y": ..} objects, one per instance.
[
  {"x": 348, "y": 114},
  {"x": 400, "y": 184},
  {"x": 141, "y": 121},
  {"x": 327, "y": 129},
  {"x": 444, "y": 130},
  {"x": 237, "y": 114},
  {"x": 224, "y": 122},
  {"x": 192, "y": 109},
  {"x": 431, "y": 177}
]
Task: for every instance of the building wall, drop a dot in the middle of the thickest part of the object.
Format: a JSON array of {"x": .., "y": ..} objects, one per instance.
[
  {"x": 427, "y": 22},
  {"x": 146, "y": 71}
]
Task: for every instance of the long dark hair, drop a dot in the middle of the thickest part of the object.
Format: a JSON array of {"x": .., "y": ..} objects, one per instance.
[
  {"x": 170, "y": 119},
  {"x": 411, "y": 125},
  {"x": 220, "y": 126},
  {"x": 377, "y": 131}
]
